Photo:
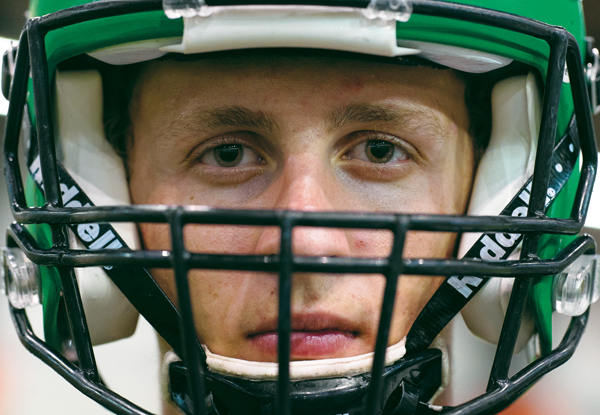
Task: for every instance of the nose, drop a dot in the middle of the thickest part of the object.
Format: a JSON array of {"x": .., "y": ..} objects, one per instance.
[{"x": 306, "y": 186}]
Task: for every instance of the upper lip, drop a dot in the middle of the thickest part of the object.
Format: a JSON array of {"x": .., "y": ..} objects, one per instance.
[{"x": 308, "y": 322}]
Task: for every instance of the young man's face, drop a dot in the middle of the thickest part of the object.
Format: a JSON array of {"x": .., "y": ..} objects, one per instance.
[{"x": 308, "y": 134}]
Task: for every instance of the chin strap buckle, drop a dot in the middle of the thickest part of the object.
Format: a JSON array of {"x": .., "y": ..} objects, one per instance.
[{"x": 403, "y": 401}]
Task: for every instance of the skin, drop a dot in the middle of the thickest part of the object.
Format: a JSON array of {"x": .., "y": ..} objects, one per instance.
[{"x": 303, "y": 123}]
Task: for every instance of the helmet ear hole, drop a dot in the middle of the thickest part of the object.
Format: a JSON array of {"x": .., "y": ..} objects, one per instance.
[
  {"x": 504, "y": 168},
  {"x": 98, "y": 170}
]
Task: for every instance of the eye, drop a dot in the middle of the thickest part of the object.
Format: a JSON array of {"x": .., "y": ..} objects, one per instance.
[
  {"x": 377, "y": 151},
  {"x": 230, "y": 155}
]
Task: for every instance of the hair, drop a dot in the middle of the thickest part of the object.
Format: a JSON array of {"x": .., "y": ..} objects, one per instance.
[
  {"x": 478, "y": 100},
  {"x": 119, "y": 84}
]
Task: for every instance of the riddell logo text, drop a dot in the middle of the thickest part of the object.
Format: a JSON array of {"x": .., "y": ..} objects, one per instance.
[
  {"x": 91, "y": 235},
  {"x": 492, "y": 247}
]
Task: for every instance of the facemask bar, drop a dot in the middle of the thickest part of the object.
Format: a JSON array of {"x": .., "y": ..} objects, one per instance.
[
  {"x": 562, "y": 44},
  {"x": 182, "y": 261}
]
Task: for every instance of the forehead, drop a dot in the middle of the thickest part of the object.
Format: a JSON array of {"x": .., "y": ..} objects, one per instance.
[{"x": 269, "y": 79}]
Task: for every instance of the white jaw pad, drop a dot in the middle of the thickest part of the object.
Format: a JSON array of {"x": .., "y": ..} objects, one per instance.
[
  {"x": 244, "y": 27},
  {"x": 99, "y": 171},
  {"x": 304, "y": 369},
  {"x": 504, "y": 168}
]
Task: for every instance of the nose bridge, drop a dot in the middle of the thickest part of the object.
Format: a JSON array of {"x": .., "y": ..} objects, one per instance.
[
  {"x": 308, "y": 187},
  {"x": 305, "y": 185}
]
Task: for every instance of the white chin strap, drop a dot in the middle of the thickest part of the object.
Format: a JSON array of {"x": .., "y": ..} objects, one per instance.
[
  {"x": 303, "y": 369},
  {"x": 504, "y": 168}
]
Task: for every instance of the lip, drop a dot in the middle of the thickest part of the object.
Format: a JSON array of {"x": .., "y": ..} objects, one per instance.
[{"x": 314, "y": 336}]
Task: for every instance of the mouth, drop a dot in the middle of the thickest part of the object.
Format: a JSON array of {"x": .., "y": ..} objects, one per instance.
[{"x": 313, "y": 336}]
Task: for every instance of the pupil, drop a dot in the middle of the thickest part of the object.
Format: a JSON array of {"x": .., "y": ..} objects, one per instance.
[
  {"x": 379, "y": 151},
  {"x": 229, "y": 154}
]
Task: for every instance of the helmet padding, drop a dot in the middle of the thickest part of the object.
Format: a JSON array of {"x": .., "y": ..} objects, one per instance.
[
  {"x": 99, "y": 171},
  {"x": 504, "y": 168}
]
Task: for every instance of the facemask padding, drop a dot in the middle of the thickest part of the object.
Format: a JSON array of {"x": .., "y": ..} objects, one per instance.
[
  {"x": 504, "y": 168},
  {"x": 99, "y": 171}
]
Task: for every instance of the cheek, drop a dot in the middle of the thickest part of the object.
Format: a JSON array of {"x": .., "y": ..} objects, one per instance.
[
  {"x": 371, "y": 243},
  {"x": 155, "y": 236},
  {"x": 429, "y": 244},
  {"x": 220, "y": 303},
  {"x": 411, "y": 296}
]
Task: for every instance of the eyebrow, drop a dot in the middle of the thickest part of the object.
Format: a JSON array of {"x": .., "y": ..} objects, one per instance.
[
  {"x": 240, "y": 116},
  {"x": 410, "y": 116},
  {"x": 230, "y": 116}
]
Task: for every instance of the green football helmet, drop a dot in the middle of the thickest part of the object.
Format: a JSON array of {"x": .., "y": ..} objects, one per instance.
[{"x": 74, "y": 247}]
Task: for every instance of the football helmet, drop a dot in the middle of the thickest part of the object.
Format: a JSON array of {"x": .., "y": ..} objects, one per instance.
[{"x": 74, "y": 246}]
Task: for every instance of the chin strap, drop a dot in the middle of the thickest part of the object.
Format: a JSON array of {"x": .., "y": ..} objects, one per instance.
[
  {"x": 322, "y": 381},
  {"x": 407, "y": 385},
  {"x": 457, "y": 290},
  {"x": 302, "y": 369}
]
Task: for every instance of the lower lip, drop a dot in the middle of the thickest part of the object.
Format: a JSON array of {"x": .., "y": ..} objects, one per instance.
[{"x": 321, "y": 344}]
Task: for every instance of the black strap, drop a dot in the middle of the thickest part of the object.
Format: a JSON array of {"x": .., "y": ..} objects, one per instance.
[
  {"x": 135, "y": 283},
  {"x": 456, "y": 291}
]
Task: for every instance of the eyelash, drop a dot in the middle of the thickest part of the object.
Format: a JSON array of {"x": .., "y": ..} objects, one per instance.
[
  {"x": 356, "y": 139},
  {"x": 224, "y": 176},
  {"x": 203, "y": 149},
  {"x": 360, "y": 137}
]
